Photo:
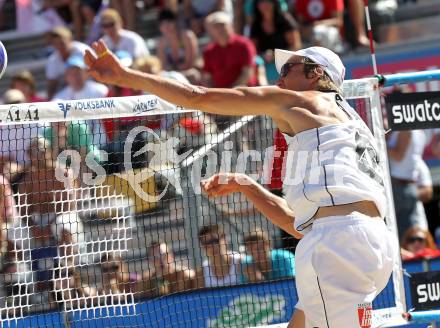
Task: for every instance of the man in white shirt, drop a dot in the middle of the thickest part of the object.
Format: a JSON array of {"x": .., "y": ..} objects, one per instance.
[
  {"x": 118, "y": 38},
  {"x": 61, "y": 39},
  {"x": 424, "y": 193},
  {"x": 78, "y": 85}
]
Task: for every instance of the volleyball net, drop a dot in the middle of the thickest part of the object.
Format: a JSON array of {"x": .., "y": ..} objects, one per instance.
[{"x": 104, "y": 222}]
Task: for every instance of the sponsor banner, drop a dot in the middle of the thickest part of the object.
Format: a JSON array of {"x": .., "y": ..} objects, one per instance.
[
  {"x": 252, "y": 305},
  {"x": 413, "y": 111},
  {"x": 365, "y": 315},
  {"x": 425, "y": 290},
  {"x": 69, "y": 110}
]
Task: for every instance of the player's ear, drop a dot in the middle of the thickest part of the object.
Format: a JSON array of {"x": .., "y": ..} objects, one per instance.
[{"x": 318, "y": 71}]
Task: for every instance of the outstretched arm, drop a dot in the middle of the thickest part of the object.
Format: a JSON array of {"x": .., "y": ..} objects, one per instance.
[
  {"x": 271, "y": 206},
  {"x": 240, "y": 101}
]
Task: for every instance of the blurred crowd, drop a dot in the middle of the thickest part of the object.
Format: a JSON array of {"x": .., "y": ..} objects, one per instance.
[{"x": 216, "y": 43}]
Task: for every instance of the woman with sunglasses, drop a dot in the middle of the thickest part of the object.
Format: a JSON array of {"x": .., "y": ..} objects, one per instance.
[
  {"x": 418, "y": 243},
  {"x": 222, "y": 267},
  {"x": 337, "y": 200},
  {"x": 272, "y": 28},
  {"x": 119, "y": 38}
]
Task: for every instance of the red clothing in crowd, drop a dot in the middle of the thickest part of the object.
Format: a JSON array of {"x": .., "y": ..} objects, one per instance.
[
  {"x": 37, "y": 99},
  {"x": 109, "y": 125},
  {"x": 225, "y": 64},
  {"x": 192, "y": 125},
  {"x": 426, "y": 253},
  {"x": 314, "y": 10},
  {"x": 278, "y": 169}
]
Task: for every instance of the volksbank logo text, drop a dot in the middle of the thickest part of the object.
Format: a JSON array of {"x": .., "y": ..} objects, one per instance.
[
  {"x": 65, "y": 107},
  {"x": 411, "y": 111}
]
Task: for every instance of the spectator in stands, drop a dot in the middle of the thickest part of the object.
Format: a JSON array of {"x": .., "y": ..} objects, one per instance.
[
  {"x": 167, "y": 275},
  {"x": 118, "y": 38},
  {"x": 273, "y": 29},
  {"x": 153, "y": 65},
  {"x": 239, "y": 19},
  {"x": 80, "y": 87},
  {"x": 48, "y": 192},
  {"x": 249, "y": 11},
  {"x": 117, "y": 278},
  {"x": 356, "y": 14},
  {"x": 15, "y": 139},
  {"x": 50, "y": 230},
  {"x": 196, "y": 10},
  {"x": 424, "y": 193},
  {"x": 128, "y": 10},
  {"x": 69, "y": 11},
  {"x": 25, "y": 82},
  {"x": 382, "y": 12},
  {"x": 405, "y": 150},
  {"x": 418, "y": 243},
  {"x": 61, "y": 40},
  {"x": 91, "y": 13},
  {"x": 36, "y": 16},
  {"x": 322, "y": 22},
  {"x": 229, "y": 60},
  {"x": 264, "y": 263},
  {"x": 172, "y": 5},
  {"x": 222, "y": 267},
  {"x": 177, "y": 49},
  {"x": 70, "y": 290}
]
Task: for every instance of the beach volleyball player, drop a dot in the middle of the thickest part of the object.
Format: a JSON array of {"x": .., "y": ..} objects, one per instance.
[{"x": 337, "y": 206}]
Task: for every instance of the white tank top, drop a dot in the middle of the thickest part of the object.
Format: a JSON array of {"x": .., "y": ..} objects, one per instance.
[
  {"x": 332, "y": 165},
  {"x": 407, "y": 167},
  {"x": 232, "y": 278}
]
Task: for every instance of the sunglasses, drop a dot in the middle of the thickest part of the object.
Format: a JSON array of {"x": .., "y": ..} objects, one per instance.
[
  {"x": 213, "y": 241},
  {"x": 108, "y": 25},
  {"x": 285, "y": 69},
  {"x": 415, "y": 239}
]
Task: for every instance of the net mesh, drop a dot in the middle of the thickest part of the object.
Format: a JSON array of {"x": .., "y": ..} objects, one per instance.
[{"x": 102, "y": 213}]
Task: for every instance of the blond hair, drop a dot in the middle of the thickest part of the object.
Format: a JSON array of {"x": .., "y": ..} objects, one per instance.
[
  {"x": 112, "y": 15},
  {"x": 152, "y": 62}
]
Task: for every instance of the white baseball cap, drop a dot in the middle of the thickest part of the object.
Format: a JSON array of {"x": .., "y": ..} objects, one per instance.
[{"x": 330, "y": 62}]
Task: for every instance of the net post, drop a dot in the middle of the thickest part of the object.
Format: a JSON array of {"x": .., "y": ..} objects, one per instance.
[{"x": 379, "y": 132}]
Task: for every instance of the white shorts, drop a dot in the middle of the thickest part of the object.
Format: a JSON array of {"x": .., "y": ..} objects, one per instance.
[{"x": 342, "y": 264}]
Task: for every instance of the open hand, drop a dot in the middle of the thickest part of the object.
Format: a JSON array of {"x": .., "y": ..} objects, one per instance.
[
  {"x": 222, "y": 184},
  {"x": 105, "y": 66}
]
